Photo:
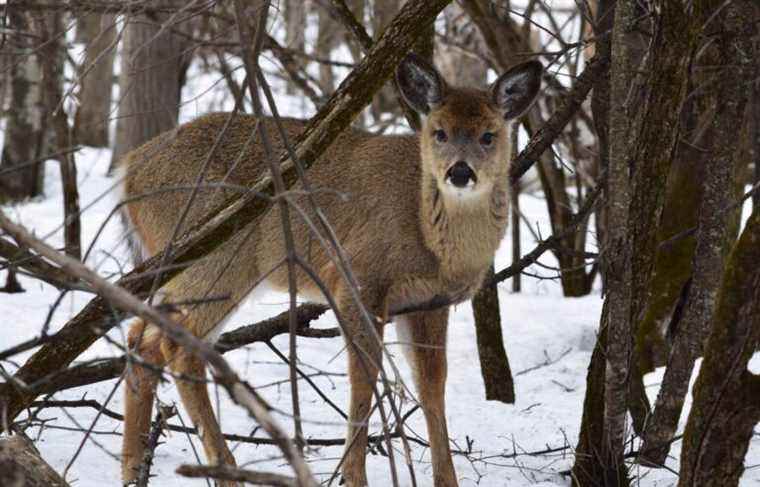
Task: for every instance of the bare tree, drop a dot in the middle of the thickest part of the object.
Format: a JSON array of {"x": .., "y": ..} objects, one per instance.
[
  {"x": 153, "y": 63},
  {"x": 295, "y": 21},
  {"x": 25, "y": 144},
  {"x": 327, "y": 38},
  {"x": 98, "y": 32}
]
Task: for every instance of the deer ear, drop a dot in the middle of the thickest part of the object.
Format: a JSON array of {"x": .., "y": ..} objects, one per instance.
[
  {"x": 515, "y": 90},
  {"x": 420, "y": 84}
]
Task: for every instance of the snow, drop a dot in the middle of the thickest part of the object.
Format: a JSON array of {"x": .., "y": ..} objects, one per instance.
[
  {"x": 540, "y": 326},
  {"x": 548, "y": 338}
]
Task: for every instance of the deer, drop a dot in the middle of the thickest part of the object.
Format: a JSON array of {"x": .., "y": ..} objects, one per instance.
[{"x": 418, "y": 216}]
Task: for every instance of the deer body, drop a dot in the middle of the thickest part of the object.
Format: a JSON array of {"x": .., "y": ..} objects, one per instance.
[{"x": 418, "y": 218}]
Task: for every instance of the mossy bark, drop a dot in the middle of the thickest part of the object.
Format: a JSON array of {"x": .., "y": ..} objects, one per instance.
[
  {"x": 726, "y": 406},
  {"x": 644, "y": 129},
  {"x": 672, "y": 266},
  {"x": 726, "y": 62}
]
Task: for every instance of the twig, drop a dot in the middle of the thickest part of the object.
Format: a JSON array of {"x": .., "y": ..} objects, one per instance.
[
  {"x": 546, "y": 363},
  {"x": 236, "y": 475},
  {"x": 238, "y": 390},
  {"x": 151, "y": 443},
  {"x": 571, "y": 103}
]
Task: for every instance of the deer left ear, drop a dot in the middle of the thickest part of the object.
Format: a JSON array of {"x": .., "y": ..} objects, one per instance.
[{"x": 515, "y": 90}]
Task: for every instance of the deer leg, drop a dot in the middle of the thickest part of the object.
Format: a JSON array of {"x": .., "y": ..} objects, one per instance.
[
  {"x": 424, "y": 336},
  {"x": 191, "y": 384},
  {"x": 139, "y": 392},
  {"x": 364, "y": 359}
]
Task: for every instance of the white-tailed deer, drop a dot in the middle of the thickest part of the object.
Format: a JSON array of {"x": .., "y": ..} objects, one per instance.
[{"x": 424, "y": 216}]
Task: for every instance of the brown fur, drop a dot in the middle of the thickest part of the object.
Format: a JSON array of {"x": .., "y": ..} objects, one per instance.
[{"x": 407, "y": 236}]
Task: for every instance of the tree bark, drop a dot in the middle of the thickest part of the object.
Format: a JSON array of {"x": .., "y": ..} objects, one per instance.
[
  {"x": 514, "y": 212},
  {"x": 589, "y": 467},
  {"x": 617, "y": 265},
  {"x": 454, "y": 56},
  {"x": 327, "y": 38},
  {"x": 153, "y": 65},
  {"x": 96, "y": 80},
  {"x": 385, "y": 101}
]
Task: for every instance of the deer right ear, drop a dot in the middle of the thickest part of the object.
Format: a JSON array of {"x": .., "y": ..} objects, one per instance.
[
  {"x": 419, "y": 83},
  {"x": 515, "y": 90}
]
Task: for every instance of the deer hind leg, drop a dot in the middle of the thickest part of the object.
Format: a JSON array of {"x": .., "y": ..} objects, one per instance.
[
  {"x": 140, "y": 390},
  {"x": 424, "y": 336},
  {"x": 190, "y": 378},
  {"x": 205, "y": 319},
  {"x": 364, "y": 352}
]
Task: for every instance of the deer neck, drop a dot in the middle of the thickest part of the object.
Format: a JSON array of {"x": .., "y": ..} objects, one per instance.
[{"x": 463, "y": 233}]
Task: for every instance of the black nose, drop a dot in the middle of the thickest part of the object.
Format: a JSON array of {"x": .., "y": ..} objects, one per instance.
[{"x": 460, "y": 174}]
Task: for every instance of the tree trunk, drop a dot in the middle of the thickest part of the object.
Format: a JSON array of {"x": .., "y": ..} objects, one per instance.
[
  {"x": 357, "y": 8},
  {"x": 755, "y": 134},
  {"x": 494, "y": 365},
  {"x": 589, "y": 467},
  {"x": 617, "y": 264},
  {"x": 49, "y": 27},
  {"x": 24, "y": 144},
  {"x": 96, "y": 79},
  {"x": 153, "y": 65},
  {"x": 514, "y": 212},
  {"x": 385, "y": 103},
  {"x": 327, "y": 38},
  {"x": 672, "y": 265},
  {"x": 295, "y": 22}
]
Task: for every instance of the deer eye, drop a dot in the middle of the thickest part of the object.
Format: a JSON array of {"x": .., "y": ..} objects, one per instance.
[
  {"x": 487, "y": 139},
  {"x": 440, "y": 136}
]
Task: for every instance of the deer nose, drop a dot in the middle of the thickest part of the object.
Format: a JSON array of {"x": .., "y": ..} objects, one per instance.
[{"x": 461, "y": 174}]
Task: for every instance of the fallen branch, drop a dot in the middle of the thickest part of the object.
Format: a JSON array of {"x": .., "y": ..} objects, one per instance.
[{"x": 236, "y": 475}]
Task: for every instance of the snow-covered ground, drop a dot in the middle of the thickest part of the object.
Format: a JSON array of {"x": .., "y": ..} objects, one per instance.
[
  {"x": 539, "y": 326},
  {"x": 548, "y": 339}
]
